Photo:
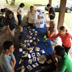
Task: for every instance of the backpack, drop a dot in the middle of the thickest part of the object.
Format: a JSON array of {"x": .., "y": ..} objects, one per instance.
[{"x": 1, "y": 22}]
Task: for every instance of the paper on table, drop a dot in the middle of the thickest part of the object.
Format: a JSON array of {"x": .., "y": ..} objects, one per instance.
[
  {"x": 35, "y": 65},
  {"x": 38, "y": 54},
  {"x": 25, "y": 45},
  {"x": 22, "y": 70},
  {"x": 19, "y": 61},
  {"x": 30, "y": 61},
  {"x": 29, "y": 67},
  {"x": 34, "y": 38},
  {"x": 30, "y": 51},
  {"x": 31, "y": 41},
  {"x": 41, "y": 59},
  {"x": 29, "y": 56},
  {"x": 34, "y": 59},
  {"x": 38, "y": 49},
  {"x": 33, "y": 29},
  {"x": 28, "y": 26},
  {"x": 43, "y": 51},
  {"x": 23, "y": 52},
  {"x": 35, "y": 34},
  {"x": 20, "y": 50},
  {"x": 30, "y": 37},
  {"x": 49, "y": 61},
  {"x": 33, "y": 54},
  {"x": 31, "y": 33},
  {"x": 27, "y": 40}
]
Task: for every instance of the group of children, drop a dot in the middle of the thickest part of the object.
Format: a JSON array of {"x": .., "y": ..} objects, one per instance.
[{"x": 7, "y": 59}]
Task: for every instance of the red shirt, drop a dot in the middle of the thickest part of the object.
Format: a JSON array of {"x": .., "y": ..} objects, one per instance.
[{"x": 65, "y": 40}]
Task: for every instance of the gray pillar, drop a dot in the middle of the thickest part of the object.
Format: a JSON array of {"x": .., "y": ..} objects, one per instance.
[
  {"x": 50, "y": 2},
  {"x": 61, "y": 13}
]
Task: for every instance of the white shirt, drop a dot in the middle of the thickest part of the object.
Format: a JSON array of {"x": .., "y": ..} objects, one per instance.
[
  {"x": 32, "y": 16},
  {"x": 20, "y": 10}
]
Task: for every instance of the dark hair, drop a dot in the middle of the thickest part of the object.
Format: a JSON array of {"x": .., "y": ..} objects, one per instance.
[
  {"x": 60, "y": 51},
  {"x": 2, "y": 10},
  {"x": 8, "y": 13},
  {"x": 63, "y": 28},
  {"x": 31, "y": 6},
  {"x": 48, "y": 5},
  {"x": 7, "y": 44},
  {"x": 22, "y": 4}
]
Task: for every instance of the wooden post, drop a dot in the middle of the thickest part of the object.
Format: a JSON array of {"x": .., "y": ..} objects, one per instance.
[
  {"x": 50, "y": 2},
  {"x": 61, "y": 13}
]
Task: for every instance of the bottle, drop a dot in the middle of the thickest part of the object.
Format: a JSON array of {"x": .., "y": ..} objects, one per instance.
[{"x": 44, "y": 38}]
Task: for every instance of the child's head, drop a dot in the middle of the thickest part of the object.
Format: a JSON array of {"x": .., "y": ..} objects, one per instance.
[
  {"x": 8, "y": 46},
  {"x": 9, "y": 14},
  {"x": 59, "y": 51},
  {"x": 52, "y": 24},
  {"x": 22, "y": 5},
  {"x": 31, "y": 8},
  {"x": 48, "y": 6},
  {"x": 62, "y": 30}
]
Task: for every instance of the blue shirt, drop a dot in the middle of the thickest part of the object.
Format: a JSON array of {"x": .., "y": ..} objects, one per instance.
[
  {"x": 11, "y": 23},
  {"x": 5, "y": 62}
]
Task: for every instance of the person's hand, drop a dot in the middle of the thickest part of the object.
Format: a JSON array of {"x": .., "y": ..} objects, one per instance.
[
  {"x": 47, "y": 28},
  {"x": 19, "y": 27},
  {"x": 12, "y": 34},
  {"x": 50, "y": 14},
  {"x": 57, "y": 64},
  {"x": 46, "y": 38}
]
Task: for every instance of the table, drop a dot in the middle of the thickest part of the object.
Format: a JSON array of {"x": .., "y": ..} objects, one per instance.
[{"x": 42, "y": 45}]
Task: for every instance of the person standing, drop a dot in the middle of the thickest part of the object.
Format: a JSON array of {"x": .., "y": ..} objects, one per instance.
[
  {"x": 20, "y": 12},
  {"x": 32, "y": 15},
  {"x": 51, "y": 12}
]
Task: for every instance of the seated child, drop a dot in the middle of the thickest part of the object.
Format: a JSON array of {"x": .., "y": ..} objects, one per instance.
[{"x": 7, "y": 59}]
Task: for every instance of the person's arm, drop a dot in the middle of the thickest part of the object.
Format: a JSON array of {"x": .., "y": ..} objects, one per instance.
[
  {"x": 53, "y": 56},
  {"x": 27, "y": 18},
  {"x": 53, "y": 37},
  {"x": 50, "y": 13},
  {"x": 70, "y": 36},
  {"x": 50, "y": 34},
  {"x": 38, "y": 16},
  {"x": 13, "y": 60},
  {"x": 18, "y": 26},
  {"x": 9, "y": 30},
  {"x": 62, "y": 67},
  {"x": 13, "y": 63},
  {"x": 7, "y": 65},
  {"x": 18, "y": 13}
]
